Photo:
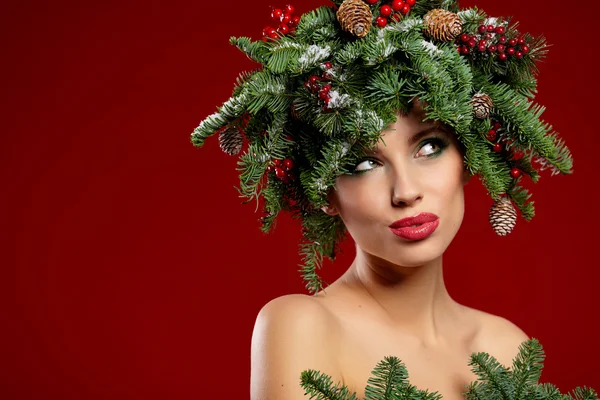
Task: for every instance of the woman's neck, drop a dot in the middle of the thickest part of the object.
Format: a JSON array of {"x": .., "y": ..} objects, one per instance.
[{"x": 414, "y": 299}]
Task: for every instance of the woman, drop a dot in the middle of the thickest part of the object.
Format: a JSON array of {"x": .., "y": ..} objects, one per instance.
[
  {"x": 369, "y": 118},
  {"x": 392, "y": 299}
]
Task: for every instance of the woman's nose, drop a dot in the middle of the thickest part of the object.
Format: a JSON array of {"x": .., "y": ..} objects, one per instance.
[{"x": 406, "y": 188}]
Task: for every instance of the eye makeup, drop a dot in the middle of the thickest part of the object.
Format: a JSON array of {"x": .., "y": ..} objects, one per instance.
[{"x": 437, "y": 140}]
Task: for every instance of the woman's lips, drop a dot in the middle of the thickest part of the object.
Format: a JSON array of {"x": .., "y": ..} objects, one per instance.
[{"x": 416, "y": 228}]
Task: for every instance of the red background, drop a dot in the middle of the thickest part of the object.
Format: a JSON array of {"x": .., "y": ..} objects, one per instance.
[{"x": 130, "y": 269}]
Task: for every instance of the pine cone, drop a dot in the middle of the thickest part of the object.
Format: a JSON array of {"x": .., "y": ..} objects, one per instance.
[
  {"x": 442, "y": 25},
  {"x": 231, "y": 141},
  {"x": 355, "y": 16},
  {"x": 482, "y": 105},
  {"x": 503, "y": 216}
]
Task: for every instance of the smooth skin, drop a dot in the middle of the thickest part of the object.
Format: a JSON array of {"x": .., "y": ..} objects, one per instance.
[{"x": 392, "y": 300}]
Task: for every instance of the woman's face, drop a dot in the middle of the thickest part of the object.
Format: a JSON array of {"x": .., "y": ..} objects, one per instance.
[{"x": 417, "y": 168}]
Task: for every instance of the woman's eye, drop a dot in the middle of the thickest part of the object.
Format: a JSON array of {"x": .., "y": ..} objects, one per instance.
[
  {"x": 365, "y": 165},
  {"x": 427, "y": 147}
]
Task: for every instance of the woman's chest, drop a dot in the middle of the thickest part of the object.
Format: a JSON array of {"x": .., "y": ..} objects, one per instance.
[{"x": 446, "y": 370}]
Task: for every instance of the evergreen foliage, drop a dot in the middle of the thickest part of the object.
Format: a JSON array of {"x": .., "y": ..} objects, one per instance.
[{"x": 390, "y": 381}]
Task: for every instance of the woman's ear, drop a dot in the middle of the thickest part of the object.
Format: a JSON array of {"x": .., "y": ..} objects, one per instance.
[{"x": 329, "y": 210}]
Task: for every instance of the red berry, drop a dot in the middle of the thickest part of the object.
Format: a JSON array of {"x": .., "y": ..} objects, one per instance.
[
  {"x": 490, "y": 28},
  {"x": 497, "y": 125},
  {"x": 512, "y": 42},
  {"x": 289, "y": 9},
  {"x": 518, "y": 155},
  {"x": 267, "y": 30},
  {"x": 511, "y": 51},
  {"x": 327, "y": 65},
  {"x": 326, "y": 88},
  {"x": 276, "y": 13},
  {"x": 491, "y": 135},
  {"x": 500, "y": 48},
  {"x": 515, "y": 173},
  {"x": 482, "y": 42},
  {"x": 323, "y": 94},
  {"x": 521, "y": 41},
  {"x": 411, "y": 2},
  {"x": 295, "y": 21},
  {"x": 381, "y": 22},
  {"x": 285, "y": 19},
  {"x": 497, "y": 147},
  {"x": 525, "y": 49},
  {"x": 385, "y": 10},
  {"x": 326, "y": 76},
  {"x": 283, "y": 29},
  {"x": 274, "y": 35},
  {"x": 488, "y": 36},
  {"x": 308, "y": 85},
  {"x": 499, "y": 30},
  {"x": 396, "y": 17},
  {"x": 288, "y": 164},
  {"x": 464, "y": 50},
  {"x": 482, "y": 29},
  {"x": 481, "y": 48},
  {"x": 405, "y": 9},
  {"x": 277, "y": 162},
  {"x": 397, "y": 5},
  {"x": 269, "y": 168},
  {"x": 464, "y": 38},
  {"x": 519, "y": 55},
  {"x": 502, "y": 39},
  {"x": 492, "y": 48},
  {"x": 502, "y": 57},
  {"x": 314, "y": 79},
  {"x": 280, "y": 173},
  {"x": 327, "y": 100},
  {"x": 472, "y": 42}
]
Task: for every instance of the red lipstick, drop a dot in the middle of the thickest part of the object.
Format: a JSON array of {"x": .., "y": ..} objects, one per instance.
[{"x": 417, "y": 227}]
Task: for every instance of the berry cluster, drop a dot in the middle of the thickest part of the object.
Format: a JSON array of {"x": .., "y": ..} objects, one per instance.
[
  {"x": 318, "y": 84},
  {"x": 516, "y": 155},
  {"x": 282, "y": 169},
  {"x": 491, "y": 40},
  {"x": 395, "y": 10},
  {"x": 287, "y": 23}
]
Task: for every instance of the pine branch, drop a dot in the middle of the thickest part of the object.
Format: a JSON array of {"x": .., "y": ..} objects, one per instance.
[
  {"x": 389, "y": 377},
  {"x": 320, "y": 387}
]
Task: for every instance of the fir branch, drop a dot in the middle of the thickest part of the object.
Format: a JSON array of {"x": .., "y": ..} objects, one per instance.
[
  {"x": 282, "y": 52},
  {"x": 529, "y": 362},
  {"x": 523, "y": 117},
  {"x": 257, "y": 50},
  {"x": 321, "y": 235},
  {"x": 387, "y": 380},
  {"x": 228, "y": 112},
  {"x": 320, "y": 387},
  {"x": 312, "y": 21},
  {"x": 498, "y": 376},
  {"x": 521, "y": 196},
  {"x": 266, "y": 90}
]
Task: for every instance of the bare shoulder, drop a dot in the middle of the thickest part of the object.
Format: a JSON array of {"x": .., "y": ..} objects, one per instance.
[
  {"x": 292, "y": 333},
  {"x": 500, "y": 337}
]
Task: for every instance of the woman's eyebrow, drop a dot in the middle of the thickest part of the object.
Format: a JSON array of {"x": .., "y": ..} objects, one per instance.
[
  {"x": 416, "y": 136},
  {"x": 424, "y": 132}
]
